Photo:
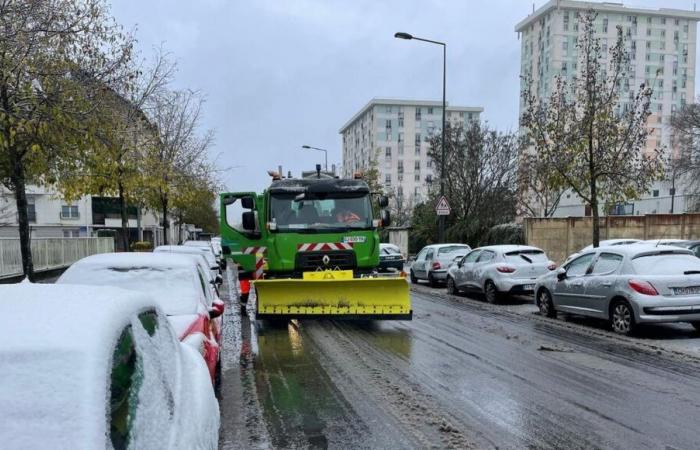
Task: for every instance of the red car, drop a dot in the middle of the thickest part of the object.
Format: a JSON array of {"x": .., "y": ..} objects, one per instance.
[{"x": 177, "y": 284}]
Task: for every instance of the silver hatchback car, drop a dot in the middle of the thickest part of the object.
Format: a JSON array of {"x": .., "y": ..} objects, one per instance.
[
  {"x": 499, "y": 269},
  {"x": 433, "y": 260},
  {"x": 626, "y": 285}
]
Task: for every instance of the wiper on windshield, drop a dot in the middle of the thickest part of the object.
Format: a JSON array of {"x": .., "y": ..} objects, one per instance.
[
  {"x": 691, "y": 272},
  {"x": 525, "y": 258}
]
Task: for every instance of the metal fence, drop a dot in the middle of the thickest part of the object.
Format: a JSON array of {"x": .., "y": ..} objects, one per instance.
[{"x": 50, "y": 253}]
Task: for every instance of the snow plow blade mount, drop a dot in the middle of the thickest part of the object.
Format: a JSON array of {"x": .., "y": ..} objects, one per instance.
[{"x": 335, "y": 295}]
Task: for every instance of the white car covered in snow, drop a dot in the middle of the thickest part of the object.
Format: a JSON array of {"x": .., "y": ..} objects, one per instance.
[
  {"x": 193, "y": 251},
  {"x": 86, "y": 367},
  {"x": 176, "y": 283}
]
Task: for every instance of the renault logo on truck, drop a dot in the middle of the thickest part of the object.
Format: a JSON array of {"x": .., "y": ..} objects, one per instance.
[{"x": 326, "y": 260}]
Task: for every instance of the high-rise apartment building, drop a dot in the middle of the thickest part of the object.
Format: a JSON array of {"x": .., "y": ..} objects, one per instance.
[
  {"x": 395, "y": 134},
  {"x": 662, "y": 50}
]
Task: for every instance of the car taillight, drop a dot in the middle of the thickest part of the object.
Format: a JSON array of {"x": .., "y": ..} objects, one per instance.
[
  {"x": 436, "y": 265},
  {"x": 643, "y": 287},
  {"x": 505, "y": 269},
  {"x": 551, "y": 266}
]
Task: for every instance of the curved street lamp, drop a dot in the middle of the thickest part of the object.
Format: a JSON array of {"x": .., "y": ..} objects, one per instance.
[
  {"x": 320, "y": 149},
  {"x": 407, "y": 36}
]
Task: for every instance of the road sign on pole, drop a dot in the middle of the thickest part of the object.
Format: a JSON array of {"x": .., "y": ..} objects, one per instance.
[{"x": 442, "y": 208}]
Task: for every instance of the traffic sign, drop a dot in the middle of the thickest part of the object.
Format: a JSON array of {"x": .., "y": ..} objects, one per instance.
[{"x": 442, "y": 208}]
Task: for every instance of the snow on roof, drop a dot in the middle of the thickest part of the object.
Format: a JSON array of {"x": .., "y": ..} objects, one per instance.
[
  {"x": 509, "y": 248},
  {"x": 190, "y": 249},
  {"x": 56, "y": 344},
  {"x": 172, "y": 280},
  {"x": 642, "y": 248}
]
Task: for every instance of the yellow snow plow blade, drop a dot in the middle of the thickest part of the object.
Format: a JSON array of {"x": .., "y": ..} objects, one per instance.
[{"x": 334, "y": 294}]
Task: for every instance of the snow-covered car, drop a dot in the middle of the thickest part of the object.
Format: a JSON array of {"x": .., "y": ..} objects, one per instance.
[
  {"x": 206, "y": 248},
  {"x": 627, "y": 285},
  {"x": 432, "y": 261},
  {"x": 193, "y": 251},
  {"x": 176, "y": 282},
  {"x": 498, "y": 270},
  {"x": 98, "y": 367}
]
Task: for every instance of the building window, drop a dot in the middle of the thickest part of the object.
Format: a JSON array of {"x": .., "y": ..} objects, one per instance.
[
  {"x": 430, "y": 110},
  {"x": 418, "y": 150},
  {"x": 400, "y": 122},
  {"x": 388, "y": 108},
  {"x": 387, "y": 178},
  {"x": 418, "y": 114},
  {"x": 400, "y": 167},
  {"x": 655, "y": 193},
  {"x": 387, "y": 153},
  {"x": 417, "y": 177},
  {"x": 418, "y": 139},
  {"x": 69, "y": 212},
  {"x": 401, "y": 136},
  {"x": 605, "y": 25},
  {"x": 31, "y": 210},
  {"x": 388, "y": 124},
  {"x": 401, "y": 149},
  {"x": 71, "y": 233},
  {"x": 417, "y": 166}
]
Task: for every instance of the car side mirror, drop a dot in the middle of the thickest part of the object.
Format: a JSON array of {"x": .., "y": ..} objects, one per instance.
[
  {"x": 383, "y": 201},
  {"x": 561, "y": 274},
  {"x": 248, "y": 202},
  {"x": 385, "y": 217},
  {"x": 248, "y": 221}
]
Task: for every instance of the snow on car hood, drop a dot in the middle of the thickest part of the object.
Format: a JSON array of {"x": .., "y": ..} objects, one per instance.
[{"x": 56, "y": 345}]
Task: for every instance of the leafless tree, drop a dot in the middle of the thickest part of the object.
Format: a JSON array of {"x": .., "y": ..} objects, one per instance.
[{"x": 590, "y": 141}]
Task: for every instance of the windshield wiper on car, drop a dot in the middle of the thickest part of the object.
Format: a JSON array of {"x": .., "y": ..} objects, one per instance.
[
  {"x": 525, "y": 258},
  {"x": 691, "y": 272}
]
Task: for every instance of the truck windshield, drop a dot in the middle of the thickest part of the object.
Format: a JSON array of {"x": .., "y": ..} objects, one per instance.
[{"x": 342, "y": 212}]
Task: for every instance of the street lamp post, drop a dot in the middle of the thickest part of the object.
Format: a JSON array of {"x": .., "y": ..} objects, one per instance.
[
  {"x": 320, "y": 149},
  {"x": 407, "y": 36}
]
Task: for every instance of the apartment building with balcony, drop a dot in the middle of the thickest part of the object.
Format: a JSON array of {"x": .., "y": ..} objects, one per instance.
[
  {"x": 394, "y": 134},
  {"x": 662, "y": 44}
]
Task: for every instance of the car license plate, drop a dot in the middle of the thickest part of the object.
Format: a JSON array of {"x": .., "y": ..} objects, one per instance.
[
  {"x": 528, "y": 287},
  {"x": 690, "y": 290}
]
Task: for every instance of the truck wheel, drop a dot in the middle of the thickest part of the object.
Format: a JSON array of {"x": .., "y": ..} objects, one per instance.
[
  {"x": 696, "y": 325},
  {"x": 414, "y": 280}
]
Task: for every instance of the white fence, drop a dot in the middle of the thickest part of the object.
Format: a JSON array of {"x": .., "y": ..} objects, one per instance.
[{"x": 50, "y": 253}]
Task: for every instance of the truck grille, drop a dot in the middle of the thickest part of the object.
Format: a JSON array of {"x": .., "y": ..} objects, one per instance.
[{"x": 310, "y": 261}]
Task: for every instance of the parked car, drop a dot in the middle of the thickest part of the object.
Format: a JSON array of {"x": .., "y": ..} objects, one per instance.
[
  {"x": 390, "y": 257},
  {"x": 432, "y": 261},
  {"x": 175, "y": 281},
  {"x": 666, "y": 241},
  {"x": 98, "y": 367},
  {"x": 497, "y": 270},
  {"x": 206, "y": 248},
  {"x": 626, "y": 285},
  {"x": 193, "y": 251}
]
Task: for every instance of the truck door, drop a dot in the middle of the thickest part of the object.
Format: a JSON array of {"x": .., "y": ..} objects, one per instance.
[{"x": 242, "y": 235}]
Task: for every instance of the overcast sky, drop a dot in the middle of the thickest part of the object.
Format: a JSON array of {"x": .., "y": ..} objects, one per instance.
[{"x": 282, "y": 73}]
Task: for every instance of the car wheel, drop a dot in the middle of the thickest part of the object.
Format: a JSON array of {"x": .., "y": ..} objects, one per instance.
[
  {"x": 696, "y": 325},
  {"x": 622, "y": 317},
  {"x": 217, "y": 379},
  {"x": 431, "y": 280},
  {"x": 414, "y": 280},
  {"x": 490, "y": 292},
  {"x": 544, "y": 302},
  {"x": 451, "y": 286}
]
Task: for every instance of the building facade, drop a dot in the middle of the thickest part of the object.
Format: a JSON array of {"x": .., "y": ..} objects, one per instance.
[
  {"x": 662, "y": 51},
  {"x": 52, "y": 216},
  {"x": 394, "y": 134}
]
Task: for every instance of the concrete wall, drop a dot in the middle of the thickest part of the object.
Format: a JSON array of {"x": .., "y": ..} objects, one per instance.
[{"x": 560, "y": 237}]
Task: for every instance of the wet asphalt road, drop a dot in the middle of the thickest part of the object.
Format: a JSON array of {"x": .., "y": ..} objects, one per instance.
[{"x": 462, "y": 374}]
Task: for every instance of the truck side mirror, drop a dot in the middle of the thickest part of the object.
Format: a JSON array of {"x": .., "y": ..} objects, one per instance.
[
  {"x": 383, "y": 201},
  {"x": 248, "y": 221},
  {"x": 385, "y": 217},
  {"x": 226, "y": 250},
  {"x": 248, "y": 202}
]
